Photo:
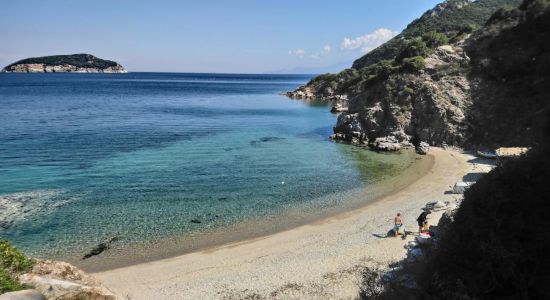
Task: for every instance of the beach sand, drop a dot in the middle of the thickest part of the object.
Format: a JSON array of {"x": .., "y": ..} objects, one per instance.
[{"x": 321, "y": 260}]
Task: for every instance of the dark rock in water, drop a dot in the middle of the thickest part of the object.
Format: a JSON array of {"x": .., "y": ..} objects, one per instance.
[
  {"x": 100, "y": 248},
  {"x": 271, "y": 139},
  {"x": 265, "y": 140},
  {"x": 5, "y": 224},
  {"x": 196, "y": 221}
]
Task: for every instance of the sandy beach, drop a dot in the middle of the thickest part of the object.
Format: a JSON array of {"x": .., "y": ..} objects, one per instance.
[{"x": 321, "y": 260}]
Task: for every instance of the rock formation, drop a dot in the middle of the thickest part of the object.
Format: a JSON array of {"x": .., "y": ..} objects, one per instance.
[{"x": 60, "y": 280}]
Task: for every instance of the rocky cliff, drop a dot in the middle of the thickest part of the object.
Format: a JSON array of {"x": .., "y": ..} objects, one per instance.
[
  {"x": 75, "y": 63},
  {"x": 480, "y": 87}
]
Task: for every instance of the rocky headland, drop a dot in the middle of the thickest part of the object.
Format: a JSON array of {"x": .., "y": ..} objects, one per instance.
[
  {"x": 450, "y": 78},
  {"x": 75, "y": 63}
]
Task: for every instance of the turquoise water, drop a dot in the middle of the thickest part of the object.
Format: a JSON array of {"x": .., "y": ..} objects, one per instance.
[{"x": 84, "y": 157}]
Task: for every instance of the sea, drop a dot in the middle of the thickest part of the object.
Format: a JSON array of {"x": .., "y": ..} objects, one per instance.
[{"x": 167, "y": 163}]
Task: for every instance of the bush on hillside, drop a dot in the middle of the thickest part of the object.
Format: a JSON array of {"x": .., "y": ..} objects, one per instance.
[
  {"x": 435, "y": 39},
  {"x": 415, "y": 47},
  {"x": 12, "y": 263},
  {"x": 413, "y": 64}
]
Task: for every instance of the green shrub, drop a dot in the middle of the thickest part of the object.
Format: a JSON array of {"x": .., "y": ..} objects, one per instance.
[
  {"x": 381, "y": 69},
  {"x": 415, "y": 47},
  {"x": 435, "y": 39},
  {"x": 13, "y": 260},
  {"x": 413, "y": 64},
  {"x": 408, "y": 90},
  {"x": 12, "y": 263},
  {"x": 8, "y": 284}
]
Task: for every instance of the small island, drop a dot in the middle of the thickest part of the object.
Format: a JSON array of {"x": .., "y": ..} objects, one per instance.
[{"x": 74, "y": 63}]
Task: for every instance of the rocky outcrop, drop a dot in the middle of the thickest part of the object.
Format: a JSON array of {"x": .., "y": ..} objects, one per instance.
[
  {"x": 426, "y": 106},
  {"x": 422, "y": 148},
  {"x": 337, "y": 108},
  {"x": 23, "y": 295},
  {"x": 60, "y": 280},
  {"x": 75, "y": 63},
  {"x": 307, "y": 92},
  {"x": 386, "y": 144}
]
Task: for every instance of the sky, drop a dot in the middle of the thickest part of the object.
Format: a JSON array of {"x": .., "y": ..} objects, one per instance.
[{"x": 231, "y": 36}]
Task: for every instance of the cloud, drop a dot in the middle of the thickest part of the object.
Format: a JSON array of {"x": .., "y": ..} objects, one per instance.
[
  {"x": 298, "y": 52},
  {"x": 368, "y": 41},
  {"x": 326, "y": 50}
]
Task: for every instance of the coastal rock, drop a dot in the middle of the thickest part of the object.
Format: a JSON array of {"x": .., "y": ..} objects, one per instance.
[
  {"x": 338, "y": 108},
  {"x": 423, "y": 148},
  {"x": 348, "y": 128},
  {"x": 303, "y": 92},
  {"x": 435, "y": 206},
  {"x": 320, "y": 90},
  {"x": 386, "y": 144},
  {"x": 347, "y": 124},
  {"x": 23, "y": 295},
  {"x": 61, "y": 280}
]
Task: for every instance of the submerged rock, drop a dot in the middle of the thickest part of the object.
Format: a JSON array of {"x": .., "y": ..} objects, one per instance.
[
  {"x": 20, "y": 206},
  {"x": 100, "y": 248}
]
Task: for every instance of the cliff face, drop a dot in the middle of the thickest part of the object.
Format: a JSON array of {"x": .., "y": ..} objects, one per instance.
[
  {"x": 76, "y": 63},
  {"x": 476, "y": 87},
  {"x": 426, "y": 105}
]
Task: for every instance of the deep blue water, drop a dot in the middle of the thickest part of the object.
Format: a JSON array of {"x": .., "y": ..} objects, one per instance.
[{"x": 88, "y": 156}]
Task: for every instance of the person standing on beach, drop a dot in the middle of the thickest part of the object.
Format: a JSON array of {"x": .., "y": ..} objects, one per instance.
[
  {"x": 422, "y": 219},
  {"x": 397, "y": 224}
]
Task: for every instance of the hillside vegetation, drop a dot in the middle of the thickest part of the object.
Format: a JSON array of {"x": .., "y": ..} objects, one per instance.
[
  {"x": 78, "y": 60},
  {"x": 450, "y": 18},
  {"x": 12, "y": 263}
]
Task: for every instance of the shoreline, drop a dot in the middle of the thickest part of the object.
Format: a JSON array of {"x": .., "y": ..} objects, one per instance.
[
  {"x": 317, "y": 260},
  {"x": 255, "y": 229}
]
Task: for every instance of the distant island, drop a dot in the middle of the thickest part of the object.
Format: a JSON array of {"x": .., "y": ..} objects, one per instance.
[{"x": 73, "y": 63}]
